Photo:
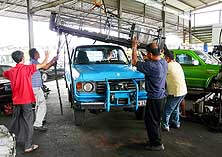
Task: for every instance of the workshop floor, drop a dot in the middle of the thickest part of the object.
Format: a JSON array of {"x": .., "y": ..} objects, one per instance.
[{"x": 114, "y": 134}]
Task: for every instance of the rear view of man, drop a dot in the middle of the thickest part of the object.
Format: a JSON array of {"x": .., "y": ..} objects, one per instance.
[
  {"x": 155, "y": 69},
  {"x": 22, "y": 97},
  {"x": 176, "y": 90}
]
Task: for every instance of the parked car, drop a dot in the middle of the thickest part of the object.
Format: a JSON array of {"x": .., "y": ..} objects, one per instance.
[
  {"x": 48, "y": 75},
  {"x": 98, "y": 84},
  {"x": 201, "y": 71},
  {"x": 5, "y": 88}
]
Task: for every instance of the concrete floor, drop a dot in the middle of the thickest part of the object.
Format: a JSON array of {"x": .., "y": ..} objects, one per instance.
[{"x": 114, "y": 134}]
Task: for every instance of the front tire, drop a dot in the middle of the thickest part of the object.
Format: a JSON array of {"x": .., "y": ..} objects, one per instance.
[
  {"x": 79, "y": 116},
  {"x": 44, "y": 77}
]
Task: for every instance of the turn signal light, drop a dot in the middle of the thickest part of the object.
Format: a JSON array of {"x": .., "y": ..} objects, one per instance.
[{"x": 79, "y": 86}]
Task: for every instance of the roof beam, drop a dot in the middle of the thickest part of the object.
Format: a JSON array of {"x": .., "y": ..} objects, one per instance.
[
  {"x": 173, "y": 7},
  {"x": 201, "y": 30},
  {"x": 49, "y": 5},
  {"x": 15, "y": 4},
  {"x": 25, "y": 13},
  {"x": 182, "y": 1},
  {"x": 203, "y": 2},
  {"x": 207, "y": 5},
  {"x": 203, "y": 33}
]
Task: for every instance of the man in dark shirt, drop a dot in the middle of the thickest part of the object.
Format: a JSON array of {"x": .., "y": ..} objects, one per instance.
[{"x": 155, "y": 70}]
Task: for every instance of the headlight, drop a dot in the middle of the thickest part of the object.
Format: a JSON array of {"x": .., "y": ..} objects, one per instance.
[{"x": 88, "y": 87}]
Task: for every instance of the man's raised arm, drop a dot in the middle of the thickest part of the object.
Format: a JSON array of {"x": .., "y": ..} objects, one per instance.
[{"x": 134, "y": 51}]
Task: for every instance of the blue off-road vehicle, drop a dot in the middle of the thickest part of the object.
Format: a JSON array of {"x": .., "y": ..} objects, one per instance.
[{"x": 100, "y": 77}]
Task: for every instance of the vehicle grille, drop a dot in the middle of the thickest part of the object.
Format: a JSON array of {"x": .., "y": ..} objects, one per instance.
[{"x": 115, "y": 85}]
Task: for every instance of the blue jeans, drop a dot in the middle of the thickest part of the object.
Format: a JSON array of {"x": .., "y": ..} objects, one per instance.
[{"x": 171, "y": 112}]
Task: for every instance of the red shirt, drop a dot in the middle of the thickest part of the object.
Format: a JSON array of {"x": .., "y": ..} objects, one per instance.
[{"x": 21, "y": 83}]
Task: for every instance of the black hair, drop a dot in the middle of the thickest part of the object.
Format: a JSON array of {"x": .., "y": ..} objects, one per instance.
[
  {"x": 151, "y": 49},
  {"x": 17, "y": 56},
  {"x": 32, "y": 52},
  {"x": 169, "y": 54}
]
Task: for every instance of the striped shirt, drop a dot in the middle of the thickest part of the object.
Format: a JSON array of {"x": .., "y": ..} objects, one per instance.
[{"x": 36, "y": 77}]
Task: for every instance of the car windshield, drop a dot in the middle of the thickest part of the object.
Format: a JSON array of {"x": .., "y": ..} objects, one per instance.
[
  {"x": 3, "y": 68},
  {"x": 100, "y": 55},
  {"x": 206, "y": 58}
]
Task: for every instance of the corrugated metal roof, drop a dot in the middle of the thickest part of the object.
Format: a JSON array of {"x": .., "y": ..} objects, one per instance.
[{"x": 132, "y": 10}]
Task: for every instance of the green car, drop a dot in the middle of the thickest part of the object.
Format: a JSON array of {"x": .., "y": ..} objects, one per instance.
[{"x": 201, "y": 70}]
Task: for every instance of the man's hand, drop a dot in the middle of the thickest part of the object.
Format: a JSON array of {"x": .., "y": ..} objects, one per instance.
[
  {"x": 47, "y": 53},
  {"x": 134, "y": 51},
  {"x": 51, "y": 63}
]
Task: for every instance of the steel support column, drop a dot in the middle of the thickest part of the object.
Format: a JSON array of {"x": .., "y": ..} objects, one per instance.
[
  {"x": 119, "y": 15},
  {"x": 184, "y": 33},
  {"x": 190, "y": 30},
  {"x": 220, "y": 16},
  {"x": 100, "y": 20},
  {"x": 163, "y": 16},
  {"x": 178, "y": 22},
  {"x": 30, "y": 24},
  {"x": 144, "y": 13}
]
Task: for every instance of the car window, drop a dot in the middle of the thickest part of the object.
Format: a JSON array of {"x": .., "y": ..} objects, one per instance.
[
  {"x": 206, "y": 58},
  {"x": 184, "y": 59},
  {"x": 3, "y": 68},
  {"x": 1, "y": 71},
  {"x": 98, "y": 55},
  {"x": 140, "y": 54}
]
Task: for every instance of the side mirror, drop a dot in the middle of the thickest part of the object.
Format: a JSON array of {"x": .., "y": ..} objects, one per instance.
[{"x": 195, "y": 62}]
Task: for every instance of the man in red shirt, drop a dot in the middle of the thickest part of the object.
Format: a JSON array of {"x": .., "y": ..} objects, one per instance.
[{"x": 23, "y": 97}]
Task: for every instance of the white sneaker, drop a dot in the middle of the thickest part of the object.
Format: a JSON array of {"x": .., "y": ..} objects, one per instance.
[{"x": 166, "y": 128}]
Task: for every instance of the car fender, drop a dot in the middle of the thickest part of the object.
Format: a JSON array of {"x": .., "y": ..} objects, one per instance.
[{"x": 209, "y": 81}]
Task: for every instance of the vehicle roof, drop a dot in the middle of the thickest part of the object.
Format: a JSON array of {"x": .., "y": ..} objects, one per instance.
[
  {"x": 108, "y": 46},
  {"x": 182, "y": 50},
  {"x": 3, "y": 65}
]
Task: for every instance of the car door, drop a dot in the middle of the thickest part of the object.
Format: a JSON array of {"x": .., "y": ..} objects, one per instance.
[{"x": 194, "y": 70}]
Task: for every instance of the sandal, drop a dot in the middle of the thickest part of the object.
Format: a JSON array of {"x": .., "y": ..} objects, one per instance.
[{"x": 33, "y": 147}]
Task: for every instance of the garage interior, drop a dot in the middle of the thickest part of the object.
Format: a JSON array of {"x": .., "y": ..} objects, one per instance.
[{"x": 117, "y": 133}]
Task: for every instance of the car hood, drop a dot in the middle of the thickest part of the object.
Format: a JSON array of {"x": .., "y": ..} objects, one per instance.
[
  {"x": 3, "y": 80},
  {"x": 98, "y": 72}
]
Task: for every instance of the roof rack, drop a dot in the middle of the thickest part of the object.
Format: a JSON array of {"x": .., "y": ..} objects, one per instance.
[{"x": 105, "y": 28}]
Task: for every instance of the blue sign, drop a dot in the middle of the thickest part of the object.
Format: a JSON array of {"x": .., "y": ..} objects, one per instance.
[{"x": 205, "y": 47}]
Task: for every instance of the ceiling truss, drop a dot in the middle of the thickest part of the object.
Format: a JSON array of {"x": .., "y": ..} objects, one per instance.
[{"x": 142, "y": 13}]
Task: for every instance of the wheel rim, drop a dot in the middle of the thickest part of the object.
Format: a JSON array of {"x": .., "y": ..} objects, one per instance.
[{"x": 44, "y": 77}]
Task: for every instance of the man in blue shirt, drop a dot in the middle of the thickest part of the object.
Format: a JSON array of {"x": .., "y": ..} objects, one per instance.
[
  {"x": 40, "y": 108},
  {"x": 155, "y": 70}
]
